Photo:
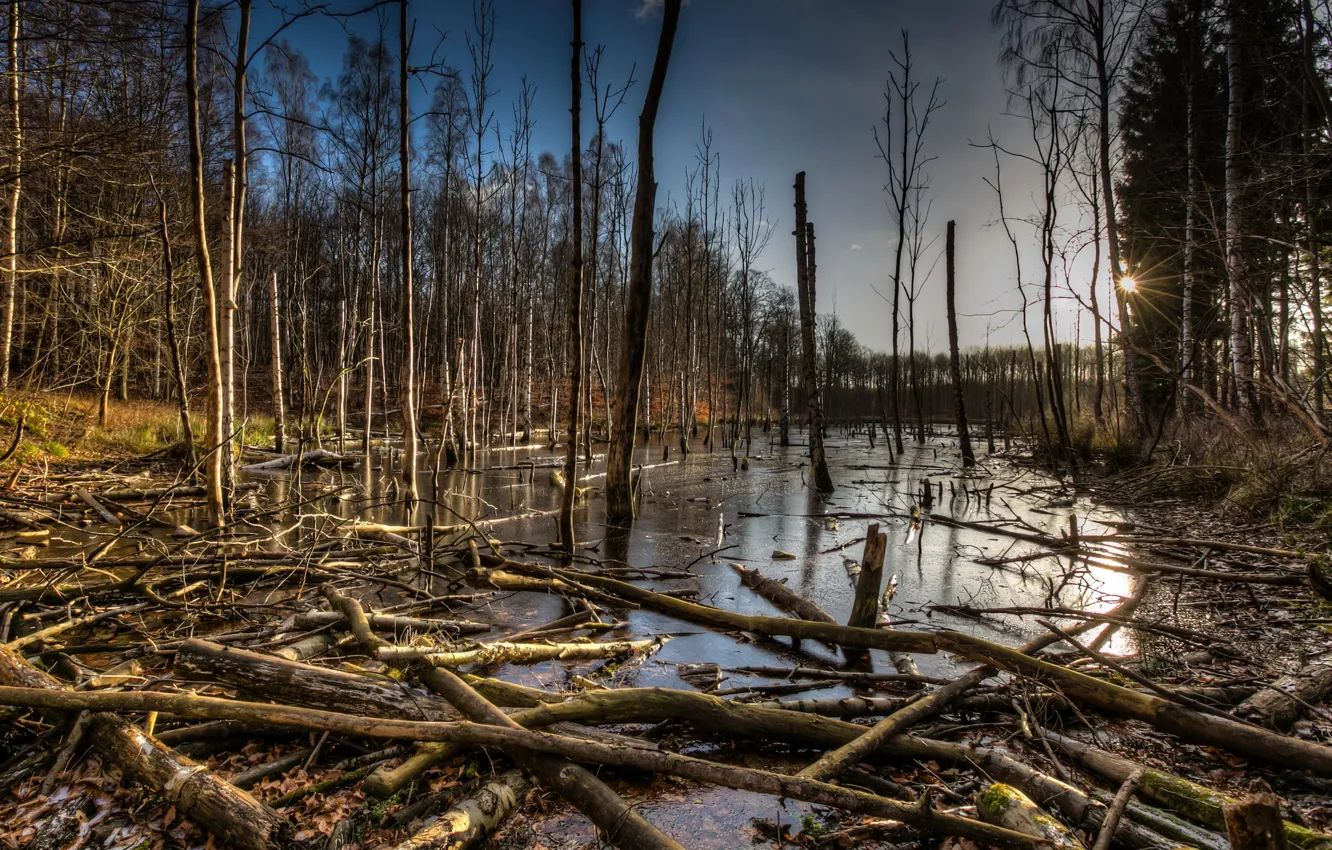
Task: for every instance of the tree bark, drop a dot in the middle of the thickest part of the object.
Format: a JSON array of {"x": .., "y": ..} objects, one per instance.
[
  {"x": 7, "y": 300},
  {"x": 633, "y": 351},
  {"x": 173, "y": 342},
  {"x": 570, "y": 492},
  {"x": 216, "y": 394},
  {"x": 275, "y": 367},
  {"x": 408, "y": 394},
  {"x": 805, "y": 284},
  {"x": 868, "y": 581},
  {"x": 1241, "y": 343},
  {"x": 954, "y": 363}
]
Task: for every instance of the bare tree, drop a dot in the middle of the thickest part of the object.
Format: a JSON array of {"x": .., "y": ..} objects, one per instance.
[
  {"x": 1088, "y": 44},
  {"x": 217, "y": 398},
  {"x": 954, "y": 364},
  {"x": 1241, "y": 339},
  {"x": 906, "y": 161},
  {"x": 408, "y": 389},
  {"x": 804, "y": 234},
  {"x": 575, "y": 285},
  {"x": 753, "y": 231},
  {"x": 11, "y": 284},
  {"x": 624, "y": 408}
]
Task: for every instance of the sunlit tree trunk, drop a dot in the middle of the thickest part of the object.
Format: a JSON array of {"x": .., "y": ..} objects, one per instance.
[
  {"x": 236, "y": 226},
  {"x": 275, "y": 366},
  {"x": 216, "y": 401},
  {"x": 1187, "y": 345},
  {"x": 1311, "y": 206},
  {"x": 9, "y": 296}
]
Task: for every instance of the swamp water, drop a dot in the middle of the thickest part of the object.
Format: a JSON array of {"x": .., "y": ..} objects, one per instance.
[{"x": 699, "y": 514}]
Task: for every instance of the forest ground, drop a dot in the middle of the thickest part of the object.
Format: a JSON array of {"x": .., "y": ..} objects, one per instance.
[{"x": 1189, "y": 631}]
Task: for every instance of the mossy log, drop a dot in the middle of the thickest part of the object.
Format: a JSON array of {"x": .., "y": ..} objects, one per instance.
[
  {"x": 1003, "y": 805},
  {"x": 1198, "y": 803}
]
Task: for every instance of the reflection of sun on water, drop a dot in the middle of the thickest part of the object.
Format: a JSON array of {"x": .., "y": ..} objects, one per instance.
[{"x": 1114, "y": 586}]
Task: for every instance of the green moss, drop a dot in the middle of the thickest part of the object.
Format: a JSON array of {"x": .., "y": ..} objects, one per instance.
[
  {"x": 810, "y": 826},
  {"x": 55, "y": 449},
  {"x": 1207, "y": 807},
  {"x": 998, "y": 797}
]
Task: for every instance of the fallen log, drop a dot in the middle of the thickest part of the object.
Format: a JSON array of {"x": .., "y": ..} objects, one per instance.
[
  {"x": 466, "y": 824},
  {"x": 1196, "y": 802},
  {"x": 314, "y": 457},
  {"x": 305, "y": 684},
  {"x": 394, "y": 624},
  {"x": 520, "y": 740},
  {"x": 518, "y": 653},
  {"x": 230, "y": 815},
  {"x": 832, "y": 764},
  {"x": 623, "y": 826},
  {"x": 1116, "y": 811},
  {"x": 132, "y": 494},
  {"x": 1006, "y": 806},
  {"x": 1285, "y": 701},
  {"x": 1167, "y": 716},
  {"x": 782, "y": 596},
  {"x": 763, "y": 722},
  {"x": 839, "y": 675}
]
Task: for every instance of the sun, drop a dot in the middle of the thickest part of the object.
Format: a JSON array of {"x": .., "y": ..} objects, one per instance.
[{"x": 1128, "y": 284}]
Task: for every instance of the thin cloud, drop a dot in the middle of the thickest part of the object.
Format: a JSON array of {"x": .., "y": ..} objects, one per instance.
[
  {"x": 856, "y": 246},
  {"x": 646, "y": 8}
]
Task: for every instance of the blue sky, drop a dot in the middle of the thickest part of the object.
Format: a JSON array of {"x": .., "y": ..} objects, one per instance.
[{"x": 785, "y": 85}]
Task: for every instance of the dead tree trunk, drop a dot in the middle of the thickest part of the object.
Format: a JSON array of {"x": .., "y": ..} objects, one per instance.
[
  {"x": 177, "y": 368},
  {"x": 566, "y": 533},
  {"x": 954, "y": 364},
  {"x": 16, "y": 172},
  {"x": 216, "y": 396},
  {"x": 1241, "y": 345},
  {"x": 275, "y": 367},
  {"x": 408, "y": 339},
  {"x": 624, "y": 407},
  {"x": 236, "y": 228},
  {"x": 804, "y": 234}
]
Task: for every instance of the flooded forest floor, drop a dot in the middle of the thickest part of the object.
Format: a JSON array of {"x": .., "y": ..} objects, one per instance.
[{"x": 291, "y": 682}]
